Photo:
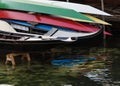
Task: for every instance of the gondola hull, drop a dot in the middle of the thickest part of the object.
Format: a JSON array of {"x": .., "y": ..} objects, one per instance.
[
  {"x": 13, "y": 41},
  {"x": 34, "y": 46}
]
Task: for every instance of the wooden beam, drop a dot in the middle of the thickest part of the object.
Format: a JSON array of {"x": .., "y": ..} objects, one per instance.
[{"x": 11, "y": 58}]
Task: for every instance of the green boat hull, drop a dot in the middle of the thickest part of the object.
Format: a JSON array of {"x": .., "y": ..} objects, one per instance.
[{"x": 30, "y": 6}]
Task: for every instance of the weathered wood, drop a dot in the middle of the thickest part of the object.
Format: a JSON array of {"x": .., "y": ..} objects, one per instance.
[{"x": 11, "y": 58}]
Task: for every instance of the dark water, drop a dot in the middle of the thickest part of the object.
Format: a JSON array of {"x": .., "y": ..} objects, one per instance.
[{"x": 103, "y": 71}]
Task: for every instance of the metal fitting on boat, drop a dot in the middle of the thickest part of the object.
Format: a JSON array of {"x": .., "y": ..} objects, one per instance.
[{"x": 74, "y": 38}]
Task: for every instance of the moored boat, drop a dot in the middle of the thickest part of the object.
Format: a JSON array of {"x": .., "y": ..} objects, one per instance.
[
  {"x": 19, "y": 41},
  {"x": 83, "y": 38},
  {"x": 12, "y": 40},
  {"x": 44, "y": 19}
]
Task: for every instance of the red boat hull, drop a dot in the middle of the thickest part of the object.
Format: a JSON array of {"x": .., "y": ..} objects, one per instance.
[{"x": 45, "y": 19}]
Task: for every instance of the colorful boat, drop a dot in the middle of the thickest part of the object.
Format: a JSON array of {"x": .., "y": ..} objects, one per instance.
[
  {"x": 75, "y": 6},
  {"x": 44, "y": 19},
  {"x": 96, "y": 20},
  {"x": 29, "y": 6}
]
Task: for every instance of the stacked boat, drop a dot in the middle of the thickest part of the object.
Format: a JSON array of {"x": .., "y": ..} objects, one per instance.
[{"x": 44, "y": 23}]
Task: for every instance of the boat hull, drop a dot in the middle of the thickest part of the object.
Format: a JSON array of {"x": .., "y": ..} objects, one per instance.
[
  {"x": 91, "y": 41},
  {"x": 45, "y": 19},
  {"x": 35, "y": 46},
  {"x": 29, "y": 6}
]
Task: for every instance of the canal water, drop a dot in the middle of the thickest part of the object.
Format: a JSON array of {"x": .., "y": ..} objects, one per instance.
[{"x": 66, "y": 66}]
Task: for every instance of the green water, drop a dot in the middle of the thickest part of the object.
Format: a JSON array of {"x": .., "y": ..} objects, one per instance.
[{"x": 41, "y": 73}]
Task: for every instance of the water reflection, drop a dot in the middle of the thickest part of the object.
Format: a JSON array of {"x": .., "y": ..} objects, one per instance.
[{"x": 103, "y": 71}]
